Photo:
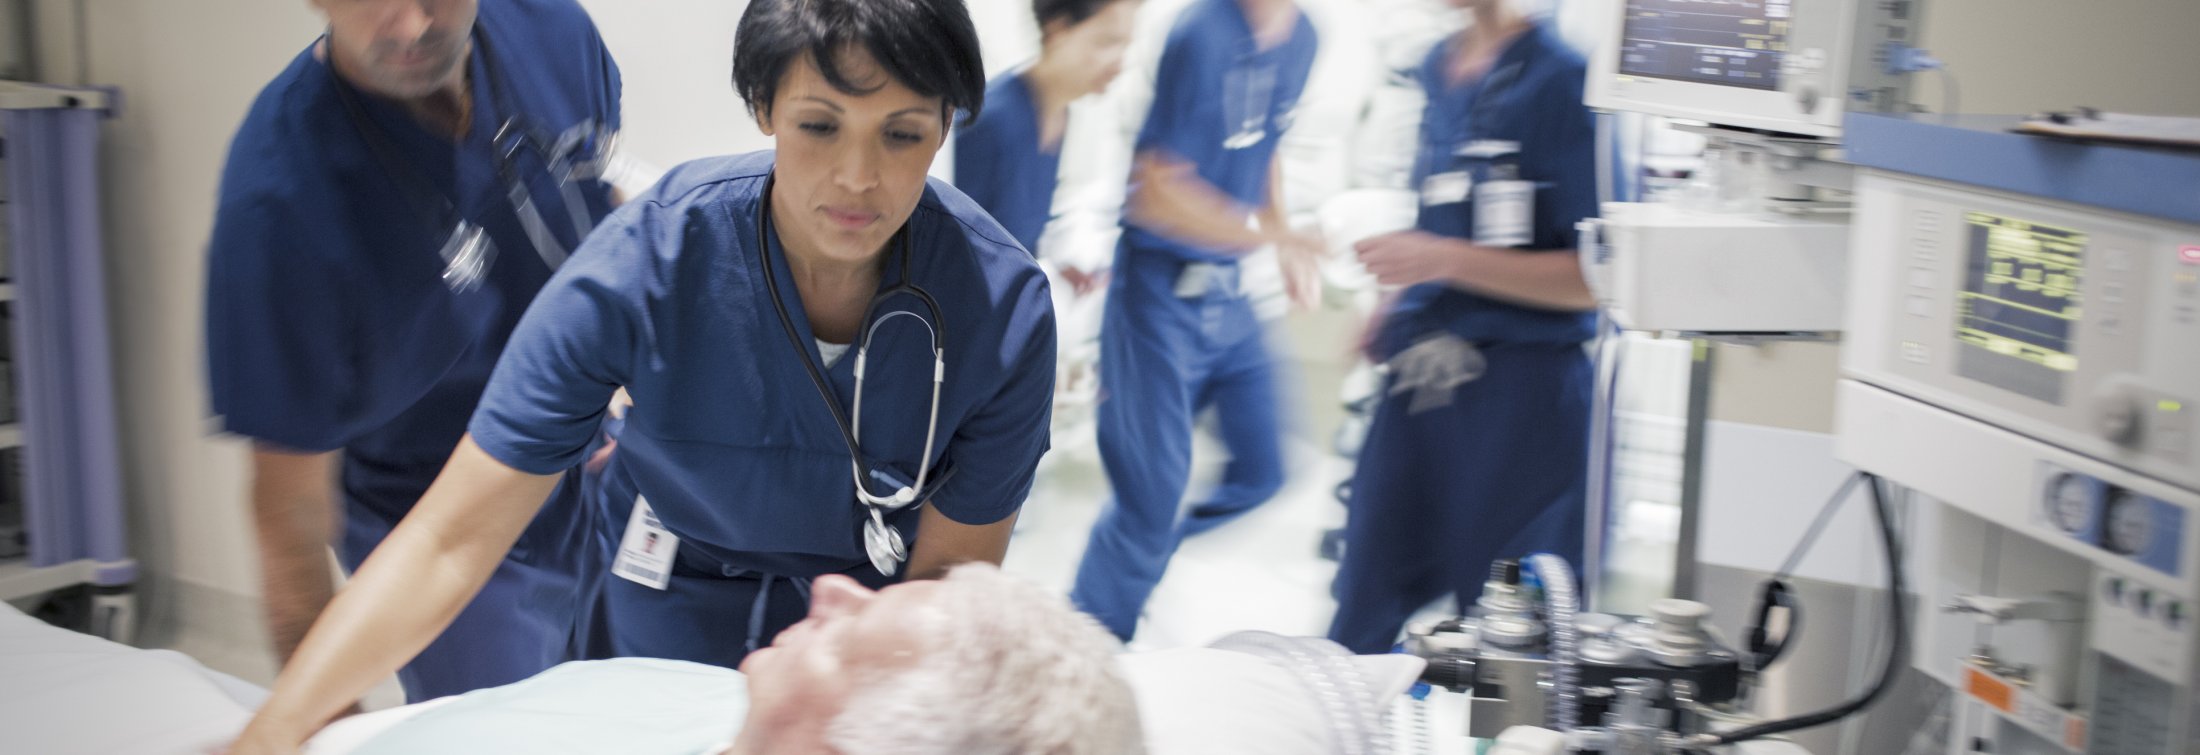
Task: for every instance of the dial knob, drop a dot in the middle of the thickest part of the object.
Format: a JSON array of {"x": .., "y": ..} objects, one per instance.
[{"x": 2116, "y": 413}]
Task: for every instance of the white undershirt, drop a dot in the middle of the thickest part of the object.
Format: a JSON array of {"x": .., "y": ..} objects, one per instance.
[{"x": 831, "y": 351}]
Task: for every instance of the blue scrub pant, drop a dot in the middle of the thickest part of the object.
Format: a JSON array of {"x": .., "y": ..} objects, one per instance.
[
  {"x": 1498, "y": 473},
  {"x": 1164, "y": 359},
  {"x": 522, "y": 621}
]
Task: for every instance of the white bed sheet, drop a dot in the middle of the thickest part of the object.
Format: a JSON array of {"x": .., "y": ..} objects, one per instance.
[{"x": 64, "y": 692}]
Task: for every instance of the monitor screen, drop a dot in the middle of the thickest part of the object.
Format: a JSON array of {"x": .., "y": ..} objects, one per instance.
[
  {"x": 2018, "y": 312},
  {"x": 1735, "y": 43}
]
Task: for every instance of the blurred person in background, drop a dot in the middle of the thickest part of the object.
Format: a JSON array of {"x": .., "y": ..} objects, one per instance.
[
  {"x": 1479, "y": 447},
  {"x": 1179, "y": 335}
]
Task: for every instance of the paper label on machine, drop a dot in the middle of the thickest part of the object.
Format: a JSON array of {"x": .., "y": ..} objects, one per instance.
[
  {"x": 1504, "y": 213},
  {"x": 645, "y": 553}
]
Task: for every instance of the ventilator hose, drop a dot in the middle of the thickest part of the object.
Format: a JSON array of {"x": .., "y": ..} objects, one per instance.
[
  {"x": 1358, "y": 724},
  {"x": 1560, "y": 602}
]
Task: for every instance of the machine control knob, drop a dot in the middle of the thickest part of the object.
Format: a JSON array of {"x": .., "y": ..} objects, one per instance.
[
  {"x": 1680, "y": 639},
  {"x": 2173, "y": 614},
  {"x": 1679, "y": 616},
  {"x": 2116, "y": 414},
  {"x": 1515, "y": 633},
  {"x": 2145, "y": 603}
]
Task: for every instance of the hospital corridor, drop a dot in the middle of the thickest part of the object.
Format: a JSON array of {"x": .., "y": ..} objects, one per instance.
[{"x": 1099, "y": 377}]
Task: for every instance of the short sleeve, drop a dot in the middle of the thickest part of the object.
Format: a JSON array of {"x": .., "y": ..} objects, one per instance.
[
  {"x": 996, "y": 452},
  {"x": 578, "y": 342},
  {"x": 280, "y": 342},
  {"x": 1186, "y": 116}
]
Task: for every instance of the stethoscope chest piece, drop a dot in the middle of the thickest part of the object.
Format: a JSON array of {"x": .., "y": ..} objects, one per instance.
[{"x": 883, "y": 543}]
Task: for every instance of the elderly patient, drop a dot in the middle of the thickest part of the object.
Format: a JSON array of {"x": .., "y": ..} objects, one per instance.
[{"x": 975, "y": 663}]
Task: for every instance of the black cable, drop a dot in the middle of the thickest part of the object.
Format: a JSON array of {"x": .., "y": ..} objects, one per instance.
[
  {"x": 1898, "y": 614},
  {"x": 1775, "y": 595}
]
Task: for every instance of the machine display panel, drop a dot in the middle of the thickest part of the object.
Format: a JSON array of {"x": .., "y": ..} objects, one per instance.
[
  {"x": 2017, "y": 314},
  {"x": 1736, "y": 43}
]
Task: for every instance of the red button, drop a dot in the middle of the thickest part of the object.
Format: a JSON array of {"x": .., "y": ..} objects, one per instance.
[{"x": 2189, "y": 254}]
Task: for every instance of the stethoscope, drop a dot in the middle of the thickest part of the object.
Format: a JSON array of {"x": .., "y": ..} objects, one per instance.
[
  {"x": 882, "y": 543},
  {"x": 582, "y": 153}
]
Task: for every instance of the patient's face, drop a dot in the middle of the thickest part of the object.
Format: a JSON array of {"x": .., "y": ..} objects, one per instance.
[{"x": 852, "y": 634}]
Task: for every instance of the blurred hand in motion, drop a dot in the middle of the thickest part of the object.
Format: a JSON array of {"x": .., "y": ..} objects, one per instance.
[
  {"x": 1081, "y": 282},
  {"x": 1408, "y": 258},
  {"x": 1300, "y": 255}
]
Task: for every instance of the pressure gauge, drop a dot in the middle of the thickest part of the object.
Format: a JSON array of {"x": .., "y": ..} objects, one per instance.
[
  {"x": 2070, "y": 502},
  {"x": 2130, "y": 523}
]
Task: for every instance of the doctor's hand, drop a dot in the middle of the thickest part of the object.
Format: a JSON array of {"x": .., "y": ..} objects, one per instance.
[
  {"x": 1300, "y": 256},
  {"x": 1408, "y": 258}
]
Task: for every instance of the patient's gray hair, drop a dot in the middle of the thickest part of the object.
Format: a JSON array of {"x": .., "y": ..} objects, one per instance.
[{"x": 1017, "y": 671}]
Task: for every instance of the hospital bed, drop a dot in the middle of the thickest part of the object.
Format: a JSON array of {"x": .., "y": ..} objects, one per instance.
[
  {"x": 64, "y": 692},
  {"x": 1225, "y": 700}
]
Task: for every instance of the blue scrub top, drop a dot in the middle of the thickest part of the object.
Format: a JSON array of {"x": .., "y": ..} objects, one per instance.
[
  {"x": 1000, "y": 163},
  {"x": 328, "y": 324},
  {"x": 1532, "y": 95},
  {"x": 1222, "y": 104},
  {"x": 728, "y": 439}
]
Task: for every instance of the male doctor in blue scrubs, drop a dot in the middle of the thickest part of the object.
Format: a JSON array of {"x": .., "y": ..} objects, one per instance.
[
  {"x": 1479, "y": 449},
  {"x": 387, "y": 213},
  {"x": 1179, "y": 336},
  {"x": 1007, "y": 158}
]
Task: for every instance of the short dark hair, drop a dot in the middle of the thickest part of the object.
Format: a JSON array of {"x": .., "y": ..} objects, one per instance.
[
  {"x": 928, "y": 46},
  {"x": 1072, "y": 12}
]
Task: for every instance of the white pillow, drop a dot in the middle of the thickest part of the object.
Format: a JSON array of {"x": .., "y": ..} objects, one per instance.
[{"x": 1205, "y": 701}]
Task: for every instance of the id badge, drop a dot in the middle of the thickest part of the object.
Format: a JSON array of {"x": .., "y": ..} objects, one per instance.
[
  {"x": 645, "y": 553},
  {"x": 1504, "y": 213},
  {"x": 1446, "y": 188}
]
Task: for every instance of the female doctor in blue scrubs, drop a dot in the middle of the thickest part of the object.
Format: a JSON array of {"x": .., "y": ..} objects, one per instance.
[
  {"x": 1479, "y": 449},
  {"x": 767, "y": 313}
]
